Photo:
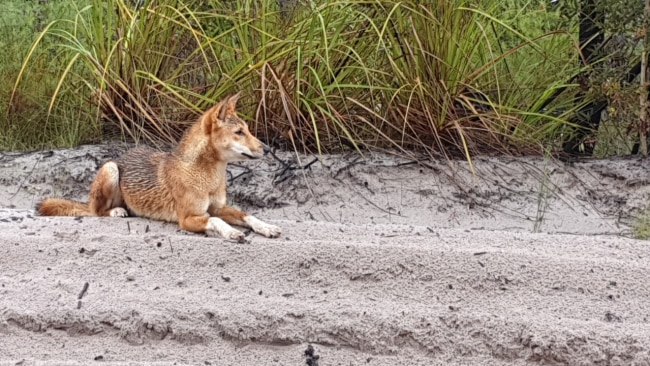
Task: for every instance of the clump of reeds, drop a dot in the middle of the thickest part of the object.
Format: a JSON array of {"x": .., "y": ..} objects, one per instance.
[{"x": 315, "y": 75}]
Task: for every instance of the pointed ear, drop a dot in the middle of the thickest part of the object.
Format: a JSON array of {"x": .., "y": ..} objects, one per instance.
[
  {"x": 231, "y": 103},
  {"x": 210, "y": 118}
]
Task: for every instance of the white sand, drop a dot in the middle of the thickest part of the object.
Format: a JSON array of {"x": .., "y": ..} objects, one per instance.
[{"x": 377, "y": 265}]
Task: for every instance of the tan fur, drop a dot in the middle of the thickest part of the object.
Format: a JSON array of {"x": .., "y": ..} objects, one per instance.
[
  {"x": 187, "y": 185},
  {"x": 61, "y": 207}
]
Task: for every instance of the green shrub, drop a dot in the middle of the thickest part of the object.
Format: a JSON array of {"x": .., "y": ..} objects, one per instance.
[
  {"x": 24, "y": 119},
  {"x": 325, "y": 76},
  {"x": 641, "y": 227}
]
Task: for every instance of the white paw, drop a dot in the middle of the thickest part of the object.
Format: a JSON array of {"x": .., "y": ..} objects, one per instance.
[
  {"x": 235, "y": 235},
  {"x": 270, "y": 231},
  {"x": 118, "y": 212},
  {"x": 260, "y": 227},
  {"x": 231, "y": 234},
  {"x": 219, "y": 228}
]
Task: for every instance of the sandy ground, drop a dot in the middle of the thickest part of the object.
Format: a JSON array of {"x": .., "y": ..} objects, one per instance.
[{"x": 382, "y": 262}]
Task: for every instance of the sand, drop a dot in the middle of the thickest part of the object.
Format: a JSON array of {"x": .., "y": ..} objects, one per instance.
[{"x": 382, "y": 262}]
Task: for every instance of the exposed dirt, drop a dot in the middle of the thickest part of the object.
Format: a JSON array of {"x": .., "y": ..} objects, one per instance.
[{"x": 382, "y": 261}]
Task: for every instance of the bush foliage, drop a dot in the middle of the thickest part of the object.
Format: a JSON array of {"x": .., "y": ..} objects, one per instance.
[{"x": 451, "y": 77}]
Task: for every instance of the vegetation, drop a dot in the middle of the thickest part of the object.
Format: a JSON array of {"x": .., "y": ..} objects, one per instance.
[
  {"x": 24, "y": 121},
  {"x": 641, "y": 226},
  {"x": 451, "y": 77},
  {"x": 445, "y": 76},
  {"x": 609, "y": 80}
]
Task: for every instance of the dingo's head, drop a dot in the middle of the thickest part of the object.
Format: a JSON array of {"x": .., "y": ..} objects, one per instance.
[{"x": 229, "y": 134}]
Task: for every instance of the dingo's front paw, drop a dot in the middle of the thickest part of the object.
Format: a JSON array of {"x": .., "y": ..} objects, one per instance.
[
  {"x": 118, "y": 212},
  {"x": 219, "y": 228},
  {"x": 270, "y": 231},
  {"x": 235, "y": 235},
  {"x": 260, "y": 227},
  {"x": 231, "y": 234}
]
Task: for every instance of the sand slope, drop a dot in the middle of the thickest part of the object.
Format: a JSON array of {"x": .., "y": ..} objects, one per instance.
[
  {"x": 358, "y": 292},
  {"x": 363, "y": 284}
]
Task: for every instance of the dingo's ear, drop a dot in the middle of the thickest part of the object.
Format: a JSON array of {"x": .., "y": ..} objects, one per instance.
[
  {"x": 230, "y": 104},
  {"x": 211, "y": 118}
]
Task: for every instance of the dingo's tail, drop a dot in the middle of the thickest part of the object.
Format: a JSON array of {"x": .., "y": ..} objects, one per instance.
[{"x": 62, "y": 207}]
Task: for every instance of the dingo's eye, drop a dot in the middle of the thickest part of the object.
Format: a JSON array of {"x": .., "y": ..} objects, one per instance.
[{"x": 240, "y": 132}]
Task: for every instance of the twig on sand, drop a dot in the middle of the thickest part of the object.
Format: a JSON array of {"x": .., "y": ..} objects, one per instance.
[
  {"x": 283, "y": 175},
  {"x": 308, "y": 165},
  {"x": 233, "y": 178},
  {"x": 81, "y": 295},
  {"x": 282, "y": 162},
  {"x": 418, "y": 162},
  {"x": 83, "y": 291},
  {"x": 354, "y": 162}
]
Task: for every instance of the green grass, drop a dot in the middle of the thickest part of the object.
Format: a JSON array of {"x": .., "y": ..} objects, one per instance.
[
  {"x": 24, "y": 119},
  {"x": 445, "y": 77},
  {"x": 641, "y": 227}
]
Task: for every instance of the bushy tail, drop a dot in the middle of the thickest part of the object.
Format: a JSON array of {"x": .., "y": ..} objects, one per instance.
[{"x": 62, "y": 207}]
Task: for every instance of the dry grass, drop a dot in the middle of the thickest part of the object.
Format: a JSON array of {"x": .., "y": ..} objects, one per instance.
[{"x": 324, "y": 76}]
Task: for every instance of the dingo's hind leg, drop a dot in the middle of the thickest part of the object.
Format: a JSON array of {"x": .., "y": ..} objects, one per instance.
[{"x": 105, "y": 195}]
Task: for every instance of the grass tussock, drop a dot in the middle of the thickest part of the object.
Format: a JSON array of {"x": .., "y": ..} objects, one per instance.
[
  {"x": 641, "y": 227},
  {"x": 24, "y": 120},
  {"x": 443, "y": 77}
]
